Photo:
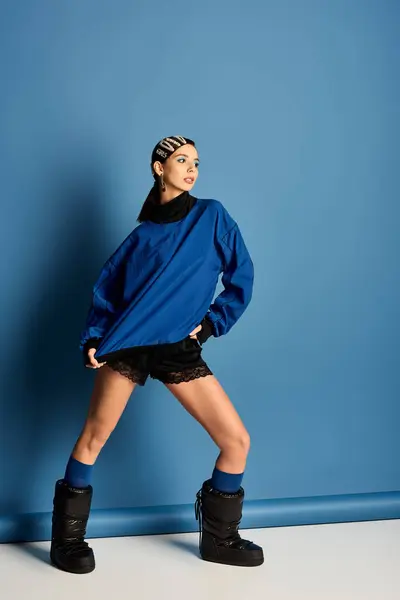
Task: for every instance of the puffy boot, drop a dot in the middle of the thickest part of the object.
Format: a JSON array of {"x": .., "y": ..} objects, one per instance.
[
  {"x": 219, "y": 515},
  {"x": 69, "y": 551}
]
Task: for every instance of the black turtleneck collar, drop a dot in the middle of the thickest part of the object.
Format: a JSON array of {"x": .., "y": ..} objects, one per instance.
[{"x": 174, "y": 210}]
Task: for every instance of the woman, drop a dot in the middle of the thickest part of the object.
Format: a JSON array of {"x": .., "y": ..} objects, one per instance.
[{"x": 156, "y": 287}]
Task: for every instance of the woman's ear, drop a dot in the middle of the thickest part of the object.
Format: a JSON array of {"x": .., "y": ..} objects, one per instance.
[{"x": 157, "y": 168}]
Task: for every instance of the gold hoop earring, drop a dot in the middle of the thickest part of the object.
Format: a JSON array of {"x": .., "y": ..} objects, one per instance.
[{"x": 163, "y": 186}]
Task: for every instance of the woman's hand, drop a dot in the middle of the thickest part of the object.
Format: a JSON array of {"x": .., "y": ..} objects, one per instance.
[
  {"x": 194, "y": 333},
  {"x": 93, "y": 362}
]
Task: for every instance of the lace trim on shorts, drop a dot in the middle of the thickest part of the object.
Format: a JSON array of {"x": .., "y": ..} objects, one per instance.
[
  {"x": 184, "y": 375},
  {"x": 127, "y": 370}
]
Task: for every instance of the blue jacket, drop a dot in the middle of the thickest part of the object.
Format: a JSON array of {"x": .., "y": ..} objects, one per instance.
[{"x": 160, "y": 283}]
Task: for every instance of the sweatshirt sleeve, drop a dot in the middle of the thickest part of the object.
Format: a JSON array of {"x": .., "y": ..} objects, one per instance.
[
  {"x": 237, "y": 279},
  {"x": 107, "y": 298}
]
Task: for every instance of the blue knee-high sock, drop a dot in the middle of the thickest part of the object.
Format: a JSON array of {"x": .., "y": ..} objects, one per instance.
[
  {"x": 226, "y": 482},
  {"x": 77, "y": 474}
]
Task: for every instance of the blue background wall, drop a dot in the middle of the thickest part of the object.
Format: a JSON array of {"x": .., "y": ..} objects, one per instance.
[{"x": 295, "y": 110}]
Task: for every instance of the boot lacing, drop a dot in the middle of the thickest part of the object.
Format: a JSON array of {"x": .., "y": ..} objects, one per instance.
[{"x": 198, "y": 514}]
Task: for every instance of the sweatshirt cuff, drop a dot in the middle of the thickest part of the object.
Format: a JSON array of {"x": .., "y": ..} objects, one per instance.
[{"x": 206, "y": 331}]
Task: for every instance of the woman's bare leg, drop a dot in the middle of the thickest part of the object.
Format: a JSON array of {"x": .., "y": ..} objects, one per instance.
[
  {"x": 220, "y": 541},
  {"x": 207, "y": 402},
  {"x": 111, "y": 392}
]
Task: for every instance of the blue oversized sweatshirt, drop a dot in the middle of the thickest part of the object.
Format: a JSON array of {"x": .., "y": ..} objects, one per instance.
[{"x": 157, "y": 287}]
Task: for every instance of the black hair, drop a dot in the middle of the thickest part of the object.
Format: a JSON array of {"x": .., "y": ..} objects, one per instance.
[{"x": 152, "y": 197}]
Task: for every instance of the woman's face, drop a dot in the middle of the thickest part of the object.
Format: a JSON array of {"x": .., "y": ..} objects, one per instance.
[{"x": 180, "y": 170}]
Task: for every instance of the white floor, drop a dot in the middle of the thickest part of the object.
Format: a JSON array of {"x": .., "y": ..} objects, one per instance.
[{"x": 346, "y": 561}]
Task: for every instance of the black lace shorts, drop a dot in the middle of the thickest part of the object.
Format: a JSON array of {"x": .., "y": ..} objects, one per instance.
[{"x": 171, "y": 363}]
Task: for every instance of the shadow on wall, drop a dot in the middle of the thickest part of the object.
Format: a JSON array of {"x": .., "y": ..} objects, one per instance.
[{"x": 47, "y": 385}]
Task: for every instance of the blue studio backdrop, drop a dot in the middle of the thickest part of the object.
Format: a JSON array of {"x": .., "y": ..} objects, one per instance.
[{"x": 295, "y": 110}]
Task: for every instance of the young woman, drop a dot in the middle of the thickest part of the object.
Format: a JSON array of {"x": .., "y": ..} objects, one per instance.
[{"x": 151, "y": 312}]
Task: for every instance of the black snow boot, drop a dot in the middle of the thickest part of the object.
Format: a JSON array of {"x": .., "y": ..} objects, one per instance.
[
  {"x": 219, "y": 515},
  {"x": 69, "y": 551}
]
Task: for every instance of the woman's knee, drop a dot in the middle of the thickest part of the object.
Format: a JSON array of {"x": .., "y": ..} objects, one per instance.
[
  {"x": 238, "y": 443},
  {"x": 95, "y": 435}
]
